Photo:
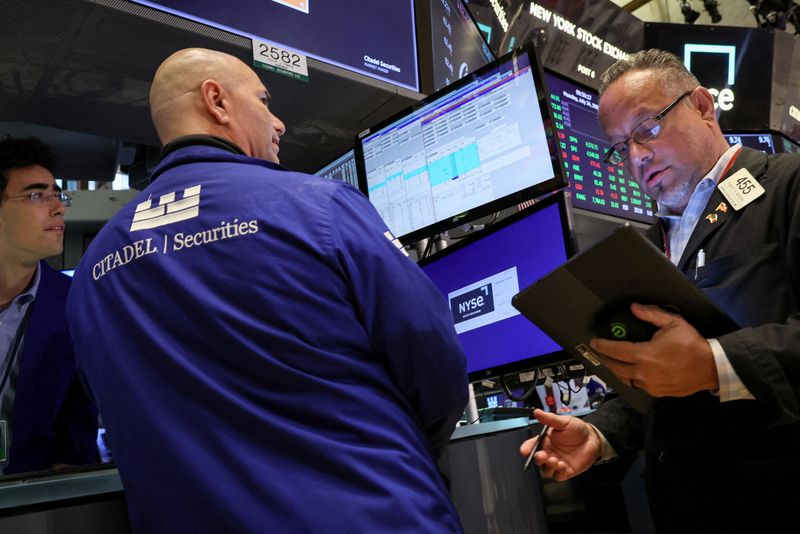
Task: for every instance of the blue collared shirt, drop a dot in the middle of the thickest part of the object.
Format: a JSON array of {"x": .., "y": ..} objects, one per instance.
[
  {"x": 10, "y": 321},
  {"x": 680, "y": 228},
  {"x": 11, "y": 317}
]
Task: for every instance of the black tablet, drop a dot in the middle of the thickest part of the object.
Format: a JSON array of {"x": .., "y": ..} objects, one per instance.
[{"x": 589, "y": 296}]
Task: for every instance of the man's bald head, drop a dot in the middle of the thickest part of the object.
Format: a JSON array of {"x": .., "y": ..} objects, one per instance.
[{"x": 200, "y": 91}]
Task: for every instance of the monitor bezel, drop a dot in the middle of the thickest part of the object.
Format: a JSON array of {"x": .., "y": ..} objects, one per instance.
[
  {"x": 555, "y": 183},
  {"x": 585, "y": 87},
  {"x": 541, "y": 360}
]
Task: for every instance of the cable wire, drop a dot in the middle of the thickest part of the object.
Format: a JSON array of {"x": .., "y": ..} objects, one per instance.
[{"x": 526, "y": 394}]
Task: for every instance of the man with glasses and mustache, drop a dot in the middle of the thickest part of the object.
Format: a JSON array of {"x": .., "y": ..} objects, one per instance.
[
  {"x": 46, "y": 418},
  {"x": 722, "y": 444}
]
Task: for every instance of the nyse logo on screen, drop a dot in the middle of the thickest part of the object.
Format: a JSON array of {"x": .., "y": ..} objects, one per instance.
[
  {"x": 471, "y": 304},
  {"x": 717, "y": 62}
]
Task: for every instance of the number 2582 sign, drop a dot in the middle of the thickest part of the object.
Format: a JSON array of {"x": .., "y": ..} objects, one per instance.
[{"x": 281, "y": 60}]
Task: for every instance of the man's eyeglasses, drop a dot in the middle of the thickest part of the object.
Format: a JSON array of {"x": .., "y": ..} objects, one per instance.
[
  {"x": 648, "y": 129},
  {"x": 40, "y": 197}
]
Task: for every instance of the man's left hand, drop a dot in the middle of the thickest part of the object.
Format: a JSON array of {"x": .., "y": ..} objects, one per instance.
[{"x": 676, "y": 362}]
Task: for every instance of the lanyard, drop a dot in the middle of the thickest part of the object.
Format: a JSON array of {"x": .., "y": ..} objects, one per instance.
[{"x": 13, "y": 349}]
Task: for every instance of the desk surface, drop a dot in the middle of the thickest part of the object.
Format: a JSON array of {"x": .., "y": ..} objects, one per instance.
[
  {"x": 493, "y": 427},
  {"x": 58, "y": 486}
]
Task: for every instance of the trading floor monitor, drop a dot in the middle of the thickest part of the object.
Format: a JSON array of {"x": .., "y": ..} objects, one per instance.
[
  {"x": 479, "y": 275},
  {"x": 756, "y": 141},
  {"x": 594, "y": 185},
  {"x": 342, "y": 168},
  {"x": 480, "y": 145}
]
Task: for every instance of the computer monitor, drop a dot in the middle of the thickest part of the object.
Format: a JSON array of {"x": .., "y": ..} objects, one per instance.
[
  {"x": 594, "y": 185},
  {"x": 473, "y": 148},
  {"x": 756, "y": 141},
  {"x": 342, "y": 168},
  {"x": 479, "y": 275},
  {"x": 786, "y": 145},
  {"x": 457, "y": 45},
  {"x": 376, "y": 39}
]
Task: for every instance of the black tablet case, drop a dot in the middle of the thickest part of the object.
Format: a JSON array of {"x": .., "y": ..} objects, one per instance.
[{"x": 575, "y": 302}]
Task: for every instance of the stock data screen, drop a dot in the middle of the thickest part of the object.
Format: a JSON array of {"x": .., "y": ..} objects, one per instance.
[
  {"x": 342, "y": 168},
  {"x": 762, "y": 142},
  {"x": 788, "y": 146},
  {"x": 456, "y": 43},
  {"x": 475, "y": 143},
  {"x": 594, "y": 185}
]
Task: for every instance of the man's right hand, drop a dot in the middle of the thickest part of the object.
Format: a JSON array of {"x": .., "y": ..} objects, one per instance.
[{"x": 570, "y": 447}]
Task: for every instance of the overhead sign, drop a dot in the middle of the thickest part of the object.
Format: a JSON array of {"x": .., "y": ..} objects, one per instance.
[{"x": 576, "y": 38}]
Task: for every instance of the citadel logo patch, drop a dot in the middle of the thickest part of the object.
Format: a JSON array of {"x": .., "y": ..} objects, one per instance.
[{"x": 168, "y": 210}]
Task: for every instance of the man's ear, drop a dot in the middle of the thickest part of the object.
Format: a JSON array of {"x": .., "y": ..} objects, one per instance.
[
  {"x": 214, "y": 96},
  {"x": 704, "y": 101}
]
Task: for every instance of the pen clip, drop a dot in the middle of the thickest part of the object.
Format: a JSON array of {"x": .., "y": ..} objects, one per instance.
[{"x": 699, "y": 263}]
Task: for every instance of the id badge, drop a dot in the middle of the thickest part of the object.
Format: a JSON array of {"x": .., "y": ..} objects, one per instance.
[{"x": 3, "y": 440}]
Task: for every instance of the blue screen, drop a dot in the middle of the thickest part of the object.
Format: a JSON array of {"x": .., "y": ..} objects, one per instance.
[
  {"x": 762, "y": 142},
  {"x": 479, "y": 279},
  {"x": 373, "y": 38}
]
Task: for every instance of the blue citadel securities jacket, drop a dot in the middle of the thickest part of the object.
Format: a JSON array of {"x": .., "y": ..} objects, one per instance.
[{"x": 268, "y": 361}]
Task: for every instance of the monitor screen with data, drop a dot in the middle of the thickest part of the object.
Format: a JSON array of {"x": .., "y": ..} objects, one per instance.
[
  {"x": 477, "y": 146},
  {"x": 594, "y": 185},
  {"x": 479, "y": 275},
  {"x": 457, "y": 45},
  {"x": 342, "y": 168},
  {"x": 756, "y": 141}
]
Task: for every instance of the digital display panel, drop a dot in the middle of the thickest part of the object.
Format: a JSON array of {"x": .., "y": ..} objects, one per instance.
[
  {"x": 734, "y": 64},
  {"x": 756, "y": 141},
  {"x": 477, "y": 146},
  {"x": 578, "y": 38},
  {"x": 457, "y": 45},
  {"x": 788, "y": 146},
  {"x": 342, "y": 168},
  {"x": 479, "y": 275},
  {"x": 594, "y": 185},
  {"x": 376, "y": 39}
]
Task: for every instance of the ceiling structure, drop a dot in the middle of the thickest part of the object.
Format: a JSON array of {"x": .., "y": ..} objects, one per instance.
[
  {"x": 77, "y": 73},
  {"x": 733, "y": 12}
]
